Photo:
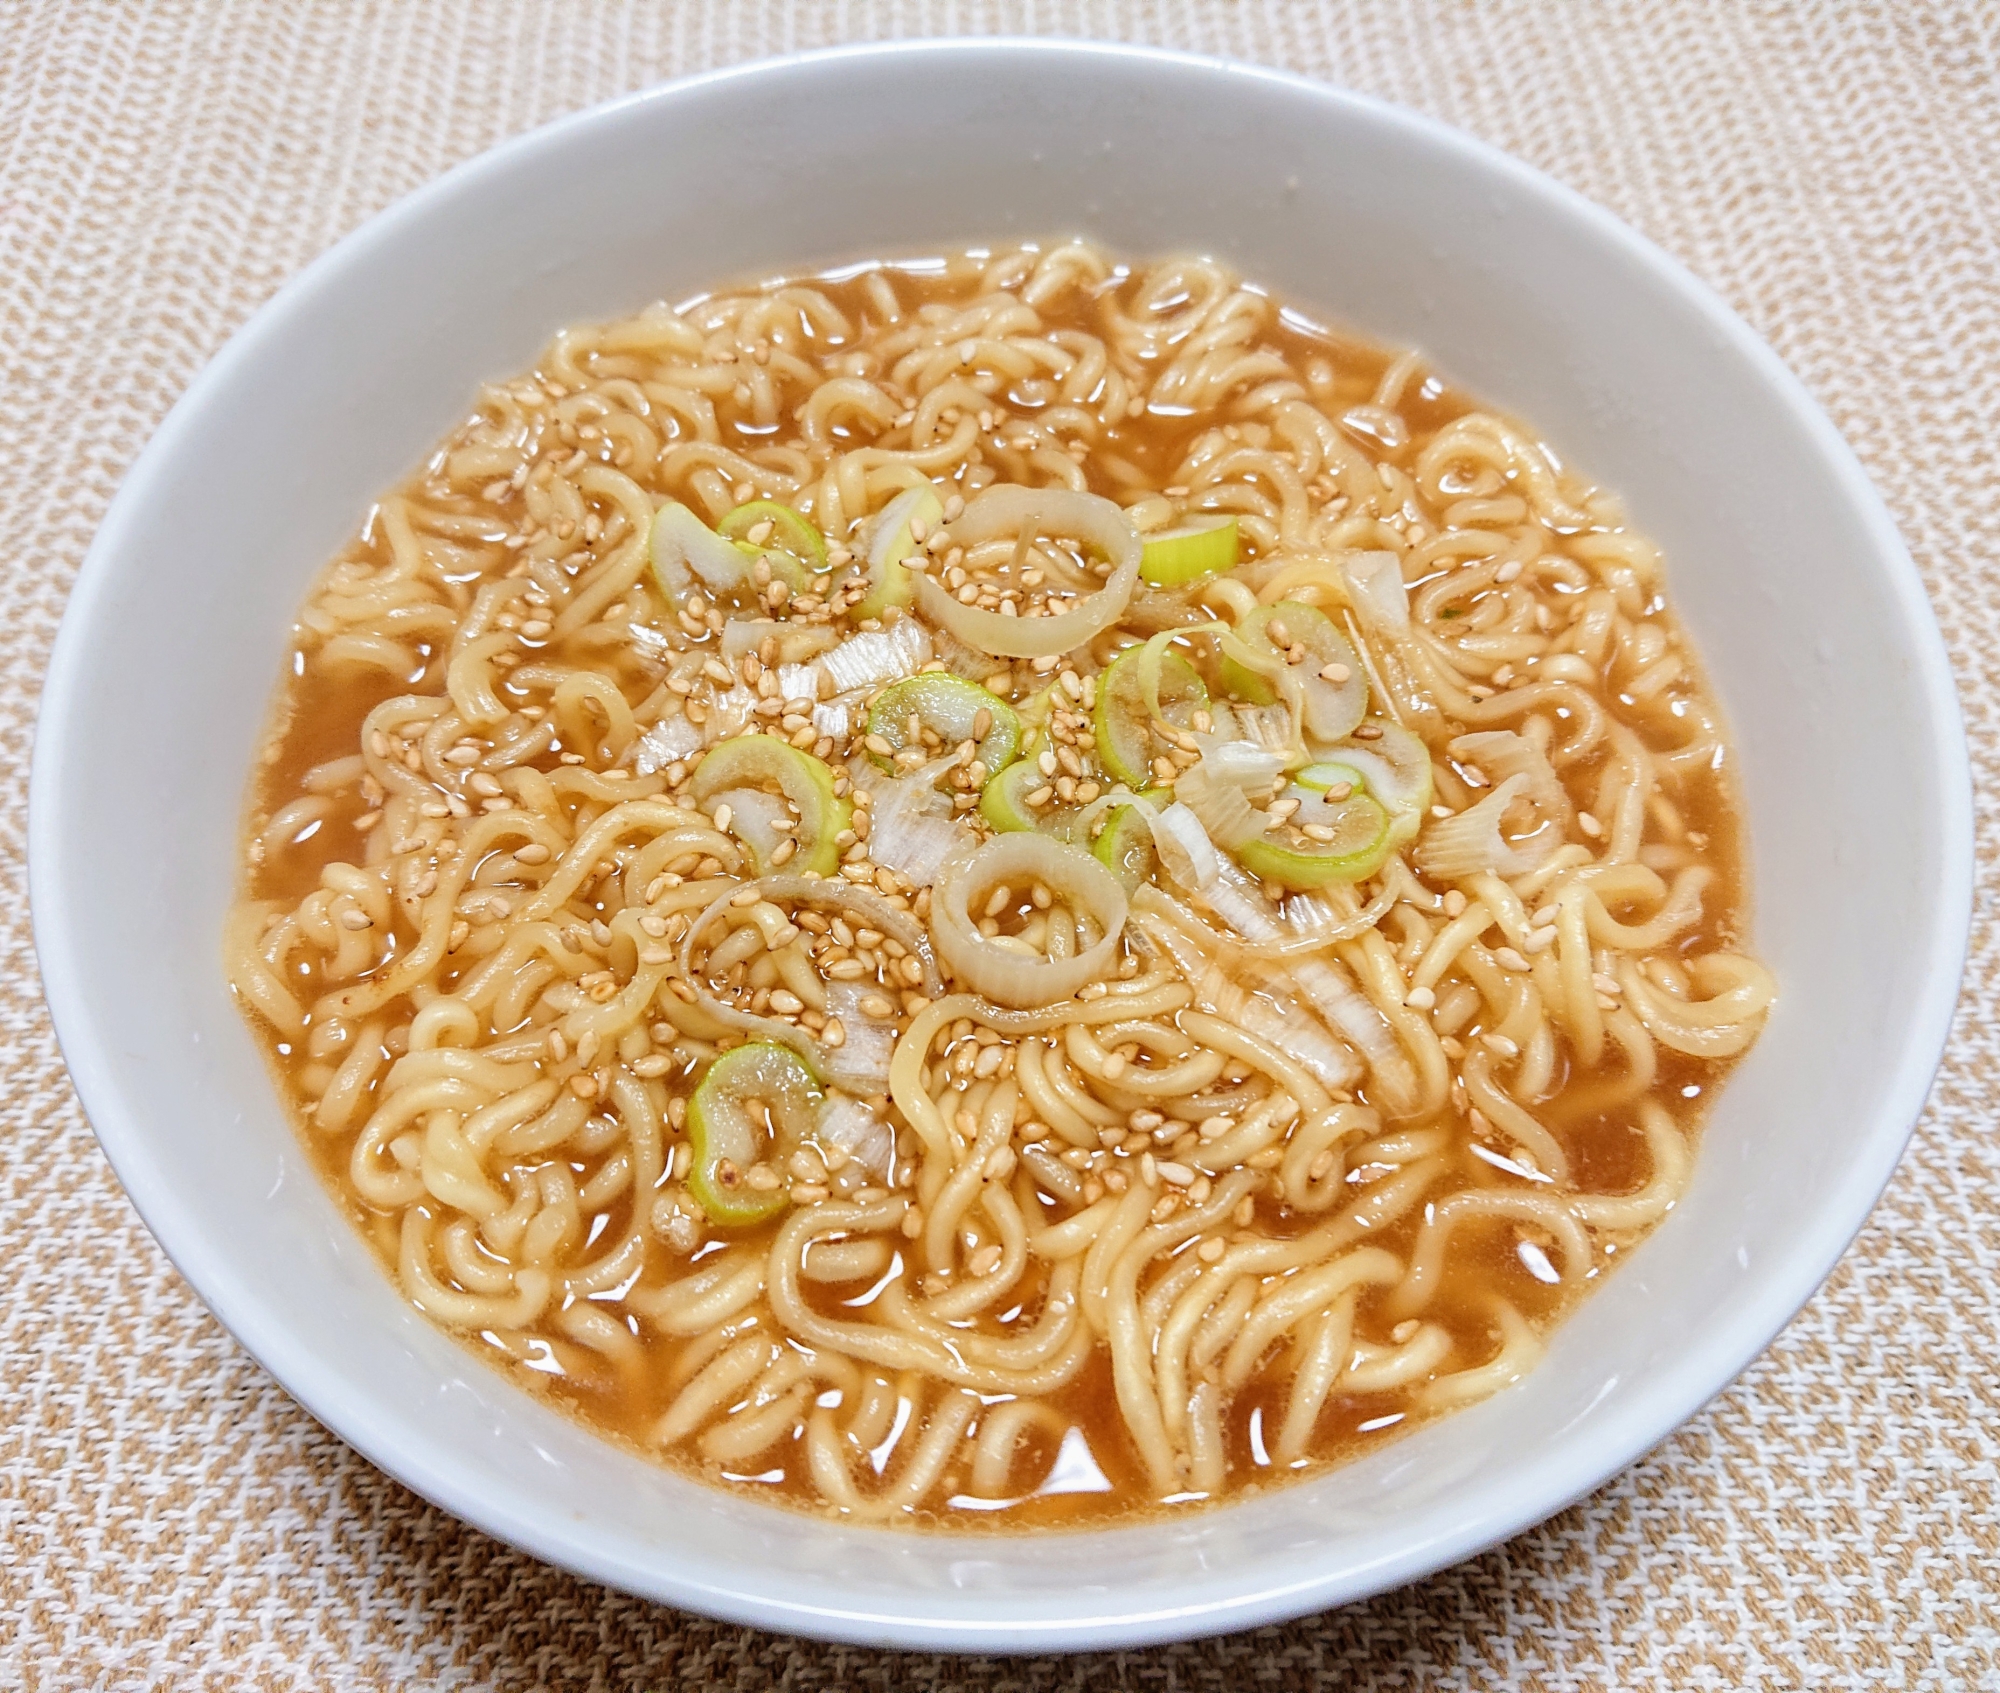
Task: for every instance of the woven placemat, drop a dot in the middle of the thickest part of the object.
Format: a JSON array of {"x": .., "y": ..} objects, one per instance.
[{"x": 169, "y": 1519}]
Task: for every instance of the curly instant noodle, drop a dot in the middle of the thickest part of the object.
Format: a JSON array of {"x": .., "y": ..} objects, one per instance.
[{"x": 1012, "y": 884}]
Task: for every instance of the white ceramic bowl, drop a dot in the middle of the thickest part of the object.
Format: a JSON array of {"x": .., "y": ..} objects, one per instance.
[{"x": 1807, "y": 610}]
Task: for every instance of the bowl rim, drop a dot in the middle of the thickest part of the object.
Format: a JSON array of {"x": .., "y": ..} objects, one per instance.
[{"x": 1678, "y": 1390}]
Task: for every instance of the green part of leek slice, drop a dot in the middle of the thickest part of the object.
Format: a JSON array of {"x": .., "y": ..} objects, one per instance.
[
  {"x": 757, "y": 1105},
  {"x": 1004, "y": 803},
  {"x": 1173, "y": 557},
  {"x": 948, "y": 706},
  {"x": 1124, "y": 846},
  {"x": 1332, "y": 709},
  {"x": 1360, "y": 844},
  {"x": 790, "y": 534},
  {"x": 889, "y": 543},
  {"x": 764, "y": 761},
  {"x": 1125, "y": 742}
]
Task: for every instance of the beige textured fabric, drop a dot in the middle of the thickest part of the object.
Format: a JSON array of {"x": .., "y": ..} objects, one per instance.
[{"x": 169, "y": 1519}]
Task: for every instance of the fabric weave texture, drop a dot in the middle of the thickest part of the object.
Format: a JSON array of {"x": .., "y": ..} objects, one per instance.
[{"x": 169, "y": 1519}]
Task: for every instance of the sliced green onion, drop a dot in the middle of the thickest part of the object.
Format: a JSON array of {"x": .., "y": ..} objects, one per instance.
[
  {"x": 757, "y": 1105},
  {"x": 990, "y": 966},
  {"x": 889, "y": 543},
  {"x": 1176, "y": 556},
  {"x": 763, "y": 762},
  {"x": 1004, "y": 803},
  {"x": 1125, "y": 847},
  {"x": 1124, "y": 717},
  {"x": 1330, "y": 708},
  {"x": 950, "y": 707},
  {"x": 1008, "y": 509},
  {"x": 1360, "y": 844},
  {"x": 1395, "y": 768},
  {"x": 685, "y": 549},
  {"x": 1317, "y": 778},
  {"x": 790, "y": 533}
]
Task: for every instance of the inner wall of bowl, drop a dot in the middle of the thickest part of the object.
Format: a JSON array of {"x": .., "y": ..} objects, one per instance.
[{"x": 1347, "y": 210}]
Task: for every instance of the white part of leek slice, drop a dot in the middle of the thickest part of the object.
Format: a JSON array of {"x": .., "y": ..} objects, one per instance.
[{"x": 684, "y": 548}]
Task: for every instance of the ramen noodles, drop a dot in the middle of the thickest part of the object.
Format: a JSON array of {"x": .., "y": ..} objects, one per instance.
[{"x": 1006, "y": 884}]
